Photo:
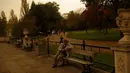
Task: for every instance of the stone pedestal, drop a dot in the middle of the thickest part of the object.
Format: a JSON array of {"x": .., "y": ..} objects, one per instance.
[
  {"x": 122, "y": 52},
  {"x": 9, "y": 35},
  {"x": 25, "y": 32},
  {"x": 122, "y": 59}
]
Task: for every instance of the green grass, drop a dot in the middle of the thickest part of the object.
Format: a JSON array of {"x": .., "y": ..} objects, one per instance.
[
  {"x": 103, "y": 58},
  {"x": 113, "y": 35}
]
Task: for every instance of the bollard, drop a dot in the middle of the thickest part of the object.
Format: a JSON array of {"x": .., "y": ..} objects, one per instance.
[{"x": 83, "y": 44}]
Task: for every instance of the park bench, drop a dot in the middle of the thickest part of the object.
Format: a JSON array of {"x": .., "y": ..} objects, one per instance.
[{"x": 85, "y": 63}]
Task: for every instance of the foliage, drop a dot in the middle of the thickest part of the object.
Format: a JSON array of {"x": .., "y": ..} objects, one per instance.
[
  {"x": 46, "y": 15},
  {"x": 111, "y": 7},
  {"x": 17, "y": 31},
  {"x": 13, "y": 24},
  {"x": 24, "y": 8},
  {"x": 3, "y": 23},
  {"x": 100, "y": 17},
  {"x": 28, "y": 23},
  {"x": 12, "y": 20},
  {"x": 74, "y": 20},
  {"x": 116, "y": 3}
]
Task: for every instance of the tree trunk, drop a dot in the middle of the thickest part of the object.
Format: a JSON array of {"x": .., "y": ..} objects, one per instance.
[{"x": 106, "y": 31}]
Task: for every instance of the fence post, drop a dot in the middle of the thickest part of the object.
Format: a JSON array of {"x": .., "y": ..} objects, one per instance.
[
  {"x": 99, "y": 49},
  {"x": 83, "y": 44},
  {"x": 48, "y": 52},
  {"x": 84, "y": 49},
  {"x": 61, "y": 39}
]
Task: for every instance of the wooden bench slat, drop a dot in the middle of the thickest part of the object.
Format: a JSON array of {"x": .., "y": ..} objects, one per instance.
[{"x": 79, "y": 61}]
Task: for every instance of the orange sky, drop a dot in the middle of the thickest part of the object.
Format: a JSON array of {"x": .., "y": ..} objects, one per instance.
[{"x": 65, "y": 5}]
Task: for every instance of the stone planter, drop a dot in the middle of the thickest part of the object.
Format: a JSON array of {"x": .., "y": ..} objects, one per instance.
[{"x": 123, "y": 22}]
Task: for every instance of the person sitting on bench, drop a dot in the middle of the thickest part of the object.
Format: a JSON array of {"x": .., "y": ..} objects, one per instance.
[{"x": 63, "y": 49}]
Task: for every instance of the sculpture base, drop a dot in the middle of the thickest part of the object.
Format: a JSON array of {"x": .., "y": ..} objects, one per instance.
[
  {"x": 125, "y": 40},
  {"x": 122, "y": 59}
]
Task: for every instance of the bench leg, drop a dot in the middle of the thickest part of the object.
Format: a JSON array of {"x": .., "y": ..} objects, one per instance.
[
  {"x": 65, "y": 61},
  {"x": 86, "y": 69}
]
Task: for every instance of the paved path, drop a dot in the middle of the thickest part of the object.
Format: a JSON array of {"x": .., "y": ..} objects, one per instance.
[
  {"x": 14, "y": 60},
  {"x": 3, "y": 39}
]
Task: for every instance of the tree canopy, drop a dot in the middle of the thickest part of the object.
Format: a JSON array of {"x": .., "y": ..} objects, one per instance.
[
  {"x": 12, "y": 19},
  {"x": 3, "y": 23},
  {"x": 106, "y": 11},
  {"x": 24, "y": 8},
  {"x": 46, "y": 15}
]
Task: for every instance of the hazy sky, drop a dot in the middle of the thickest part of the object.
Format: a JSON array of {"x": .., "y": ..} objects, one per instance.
[{"x": 65, "y": 5}]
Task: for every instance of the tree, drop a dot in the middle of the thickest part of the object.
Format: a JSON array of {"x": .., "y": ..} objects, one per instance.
[
  {"x": 12, "y": 20},
  {"x": 17, "y": 31},
  {"x": 27, "y": 23},
  {"x": 3, "y": 16},
  {"x": 46, "y": 15},
  {"x": 90, "y": 15},
  {"x": 113, "y": 4},
  {"x": 72, "y": 20},
  {"x": 75, "y": 20},
  {"x": 24, "y": 8},
  {"x": 3, "y": 23},
  {"x": 13, "y": 24},
  {"x": 100, "y": 12}
]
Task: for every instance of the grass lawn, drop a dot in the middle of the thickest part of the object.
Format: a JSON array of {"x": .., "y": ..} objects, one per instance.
[
  {"x": 113, "y": 35},
  {"x": 103, "y": 58}
]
